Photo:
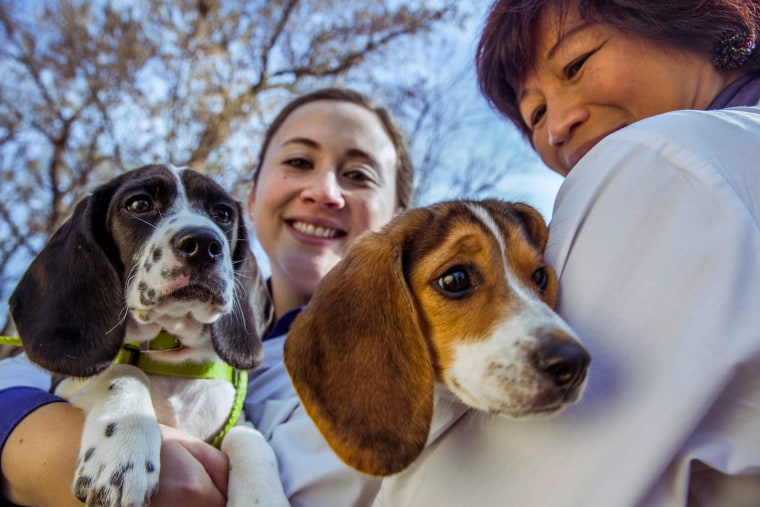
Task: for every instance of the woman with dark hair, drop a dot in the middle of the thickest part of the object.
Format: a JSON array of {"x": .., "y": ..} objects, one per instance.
[{"x": 648, "y": 108}]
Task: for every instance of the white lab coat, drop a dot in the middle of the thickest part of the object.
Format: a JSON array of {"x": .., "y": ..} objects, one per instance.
[{"x": 656, "y": 239}]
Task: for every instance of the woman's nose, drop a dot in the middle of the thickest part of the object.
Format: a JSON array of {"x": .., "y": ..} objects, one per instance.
[
  {"x": 563, "y": 120},
  {"x": 324, "y": 189}
]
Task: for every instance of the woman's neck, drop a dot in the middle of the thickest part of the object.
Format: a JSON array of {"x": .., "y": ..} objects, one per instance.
[
  {"x": 743, "y": 90},
  {"x": 285, "y": 297}
]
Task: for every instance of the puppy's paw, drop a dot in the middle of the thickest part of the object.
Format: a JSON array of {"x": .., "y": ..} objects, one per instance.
[
  {"x": 118, "y": 463},
  {"x": 254, "y": 476}
]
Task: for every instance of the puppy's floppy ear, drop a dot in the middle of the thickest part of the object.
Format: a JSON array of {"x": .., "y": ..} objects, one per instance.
[
  {"x": 359, "y": 361},
  {"x": 237, "y": 335},
  {"x": 68, "y": 306}
]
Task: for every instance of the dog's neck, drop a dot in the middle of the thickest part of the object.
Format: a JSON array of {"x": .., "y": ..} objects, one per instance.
[
  {"x": 161, "y": 343},
  {"x": 144, "y": 356}
]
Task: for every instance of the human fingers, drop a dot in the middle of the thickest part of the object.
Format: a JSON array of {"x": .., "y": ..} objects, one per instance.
[
  {"x": 214, "y": 461},
  {"x": 185, "y": 479}
]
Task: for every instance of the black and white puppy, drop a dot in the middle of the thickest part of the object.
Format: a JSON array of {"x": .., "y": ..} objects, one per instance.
[{"x": 155, "y": 249}]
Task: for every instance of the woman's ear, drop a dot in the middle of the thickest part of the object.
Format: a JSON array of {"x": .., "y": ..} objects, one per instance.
[{"x": 251, "y": 203}]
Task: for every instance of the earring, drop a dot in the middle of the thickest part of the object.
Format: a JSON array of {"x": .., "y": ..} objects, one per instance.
[{"x": 733, "y": 50}]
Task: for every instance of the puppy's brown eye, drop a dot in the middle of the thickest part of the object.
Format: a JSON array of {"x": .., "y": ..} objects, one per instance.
[
  {"x": 222, "y": 214},
  {"x": 139, "y": 204},
  {"x": 455, "y": 281},
  {"x": 541, "y": 278}
]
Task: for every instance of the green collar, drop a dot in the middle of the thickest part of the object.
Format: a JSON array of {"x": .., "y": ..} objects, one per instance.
[
  {"x": 139, "y": 355},
  {"x": 13, "y": 341}
]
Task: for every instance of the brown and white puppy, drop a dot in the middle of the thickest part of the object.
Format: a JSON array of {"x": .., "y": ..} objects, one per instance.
[
  {"x": 457, "y": 293},
  {"x": 156, "y": 248}
]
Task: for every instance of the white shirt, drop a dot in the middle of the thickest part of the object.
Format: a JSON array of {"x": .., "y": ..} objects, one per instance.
[{"x": 656, "y": 239}]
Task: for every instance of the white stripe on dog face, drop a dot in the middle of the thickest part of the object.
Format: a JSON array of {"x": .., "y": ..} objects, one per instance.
[
  {"x": 159, "y": 272},
  {"x": 497, "y": 373}
]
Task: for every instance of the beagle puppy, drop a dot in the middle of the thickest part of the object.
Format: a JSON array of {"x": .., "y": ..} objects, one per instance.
[
  {"x": 156, "y": 251},
  {"x": 458, "y": 294}
]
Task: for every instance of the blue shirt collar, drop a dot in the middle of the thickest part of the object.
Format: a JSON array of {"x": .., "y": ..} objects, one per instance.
[
  {"x": 282, "y": 326},
  {"x": 744, "y": 91}
]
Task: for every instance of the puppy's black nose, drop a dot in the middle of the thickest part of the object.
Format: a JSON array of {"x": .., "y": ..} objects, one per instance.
[
  {"x": 198, "y": 246},
  {"x": 564, "y": 362}
]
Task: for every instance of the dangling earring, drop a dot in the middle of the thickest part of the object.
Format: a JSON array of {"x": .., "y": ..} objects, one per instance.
[{"x": 733, "y": 50}]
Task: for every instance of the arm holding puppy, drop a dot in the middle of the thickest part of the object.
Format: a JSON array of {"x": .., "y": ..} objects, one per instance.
[{"x": 38, "y": 462}]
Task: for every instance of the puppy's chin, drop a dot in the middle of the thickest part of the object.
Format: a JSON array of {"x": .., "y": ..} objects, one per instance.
[
  {"x": 511, "y": 401},
  {"x": 180, "y": 311}
]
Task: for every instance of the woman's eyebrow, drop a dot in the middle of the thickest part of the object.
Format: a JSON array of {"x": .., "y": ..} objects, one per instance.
[
  {"x": 301, "y": 140},
  {"x": 359, "y": 153},
  {"x": 565, "y": 36}
]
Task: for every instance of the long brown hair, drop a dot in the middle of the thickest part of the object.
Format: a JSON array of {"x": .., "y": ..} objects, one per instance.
[{"x": 507, "y": 48}]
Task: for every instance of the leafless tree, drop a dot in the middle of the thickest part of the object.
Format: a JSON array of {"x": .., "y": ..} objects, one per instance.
[{"x": 92, "y": 88}]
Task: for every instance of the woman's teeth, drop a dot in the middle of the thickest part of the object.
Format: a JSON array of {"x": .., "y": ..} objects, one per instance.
[{"x": 314, "y": 230}]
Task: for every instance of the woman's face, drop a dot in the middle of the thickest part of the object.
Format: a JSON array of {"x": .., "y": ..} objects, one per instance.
[
  {"x": 591, "y": 80},
  {"x": 328, "y": 175}
]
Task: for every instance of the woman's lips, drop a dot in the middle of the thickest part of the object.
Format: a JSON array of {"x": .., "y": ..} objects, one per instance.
[{"x": 316, "y": 230}]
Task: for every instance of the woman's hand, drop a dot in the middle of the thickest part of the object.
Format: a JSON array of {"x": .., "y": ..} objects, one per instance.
[
  {"x": 193, "y": 473},
  {"x": 39, "y": 459}
]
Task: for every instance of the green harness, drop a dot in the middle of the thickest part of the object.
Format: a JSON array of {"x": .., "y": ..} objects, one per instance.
[{"x": 134, "y": 354}]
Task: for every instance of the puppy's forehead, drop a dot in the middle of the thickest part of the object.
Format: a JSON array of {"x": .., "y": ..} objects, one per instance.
[
  {"x": 199, "y": 187},
  {"x": 461, "y": 216},
  {"x": 157, "y": 180}
]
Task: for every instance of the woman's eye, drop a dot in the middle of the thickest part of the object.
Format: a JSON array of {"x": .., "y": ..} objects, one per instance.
[
  {"x": 139, "y": 204},
  {"x": 537, "y": 115},
  {"x": 222, "y": 213},
  {"x": 575, "y": 66},
  {"x": 298, "y": 163},
  {"x": 541, "y": 279},
  {"x": 359, "y": 176}
]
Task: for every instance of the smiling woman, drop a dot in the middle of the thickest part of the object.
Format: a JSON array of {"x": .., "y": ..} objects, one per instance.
[
  {"x": 593, "y": 80},
  {"x": 328, "y": 172}
]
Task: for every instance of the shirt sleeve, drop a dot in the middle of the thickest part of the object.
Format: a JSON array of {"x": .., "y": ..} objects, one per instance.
[
  {"x": 657, "y": 244},
  {"x": 18, "y": 402},
  {"x": 23, "y": 388},
  {"x": 655, "y": 238}
]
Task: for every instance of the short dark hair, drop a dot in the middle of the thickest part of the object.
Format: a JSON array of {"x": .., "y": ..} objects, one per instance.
[
  {"x": 404, "y": 168},
  {"x": 507, "y": 49}
]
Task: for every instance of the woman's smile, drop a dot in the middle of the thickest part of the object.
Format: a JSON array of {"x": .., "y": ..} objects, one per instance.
[{"x": 315, "y": 230}]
